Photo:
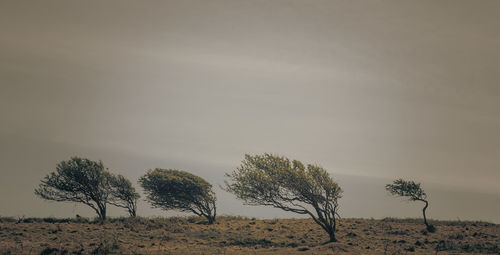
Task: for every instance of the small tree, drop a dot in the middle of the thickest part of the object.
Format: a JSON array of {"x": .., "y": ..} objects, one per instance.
[
  {"x": 413, "y": 192},
  {"x": 78, "y": 180},
  {"x": 124, "y": 194},
  {"x": 171, "y": 189},
  {"x": 288, "y": 185}
]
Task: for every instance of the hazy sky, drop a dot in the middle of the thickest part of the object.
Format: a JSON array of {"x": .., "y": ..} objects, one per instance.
[{"x": 370, "y": 90}]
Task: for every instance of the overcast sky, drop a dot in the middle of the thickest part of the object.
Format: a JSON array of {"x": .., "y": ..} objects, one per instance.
[{"x": 370, "y": 90}]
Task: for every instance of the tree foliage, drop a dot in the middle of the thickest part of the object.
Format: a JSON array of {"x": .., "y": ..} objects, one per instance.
[
  {"x": 411, "y": 190},
  {"x": 124, "y": 194},
  {"x": 78, "y": 180},
  {"x": 288, "y": 185},
  {"x": 172, "y": 189}
]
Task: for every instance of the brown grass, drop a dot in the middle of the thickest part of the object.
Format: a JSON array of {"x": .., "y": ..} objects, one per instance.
[{"x": 238, "y": 235}]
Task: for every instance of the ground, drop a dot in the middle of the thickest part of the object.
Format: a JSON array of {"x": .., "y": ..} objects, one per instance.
[{"x": 238, "y": 235}]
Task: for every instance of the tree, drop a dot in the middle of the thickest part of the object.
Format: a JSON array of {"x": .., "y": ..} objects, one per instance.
[
  {"x": 78, "y": 180},
  {"x": 172, "y": 189},
  {"x": 288, "y": 185},
  {"x": 124, "y": 194},
  {"x": 413, "y": 192}
]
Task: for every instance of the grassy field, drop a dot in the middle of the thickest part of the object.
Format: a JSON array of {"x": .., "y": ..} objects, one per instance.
[{"x": 238, "y": 235}]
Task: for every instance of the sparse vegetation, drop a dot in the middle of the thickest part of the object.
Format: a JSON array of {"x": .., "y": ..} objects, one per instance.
[
  {"x": 288, "y": 185},
  {"x": 240, "y": 235},
  {"x": 260, "y": 180}
]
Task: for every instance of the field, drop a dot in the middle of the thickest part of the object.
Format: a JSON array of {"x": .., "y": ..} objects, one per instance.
[{"x": 238, "y": 235}]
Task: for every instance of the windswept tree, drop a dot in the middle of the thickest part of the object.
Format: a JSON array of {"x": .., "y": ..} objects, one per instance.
[
  {"x": 288, "y": 185},
  {"x": 78, "y": 180},
  {"x": 123, "y": 194},
  {"x": 414, "y": 192},
  {"x": 171, "y": 189}
]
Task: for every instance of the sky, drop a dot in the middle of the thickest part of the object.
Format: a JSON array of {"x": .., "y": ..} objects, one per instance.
[{"x": 370, "y": 90}]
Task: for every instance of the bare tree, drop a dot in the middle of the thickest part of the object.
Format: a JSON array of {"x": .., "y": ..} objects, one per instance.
[
  {"x": 123, "y": 194},
  {"x": 288, "y": 185},
  {"x": 172, "y": 189},
  {"x": 78, "y": 180},
  {"x": 414, "y": 192}
]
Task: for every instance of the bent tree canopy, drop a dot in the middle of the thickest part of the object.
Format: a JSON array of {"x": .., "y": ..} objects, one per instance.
[
  {"x": 124, "y": 194},
  {"x": 78, "y": 180},
  {"x": 172, "y": 189},
  {"x": 413, "y": 191},
  {"x": 288, "y": 185}
]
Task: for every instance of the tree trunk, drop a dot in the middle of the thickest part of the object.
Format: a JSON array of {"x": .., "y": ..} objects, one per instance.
[
  {"x": 102, "y": 213},
  {"x": 332, "y": 236},
  {"x": 423, "y": 211},
  {"x": 132, "y": 211},
  {"x": 331, "y": 233},
  {"x": 211, "y": 219}
]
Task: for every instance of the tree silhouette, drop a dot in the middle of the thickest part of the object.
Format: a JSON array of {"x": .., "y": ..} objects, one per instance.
[
  {"x": 288, "y": 185},
  {"x": 171, "y": 189},
  {"x": 78, "y": 180},
  {"x": 413, "y": 192},
  {"x": 124, "y": 194}
]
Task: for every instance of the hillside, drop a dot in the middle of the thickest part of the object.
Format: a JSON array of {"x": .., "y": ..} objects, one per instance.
[{"x": 237, "y": 235}]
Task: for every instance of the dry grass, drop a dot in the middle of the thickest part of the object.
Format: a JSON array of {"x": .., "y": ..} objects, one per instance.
[{"x": 238, "y": 235}]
